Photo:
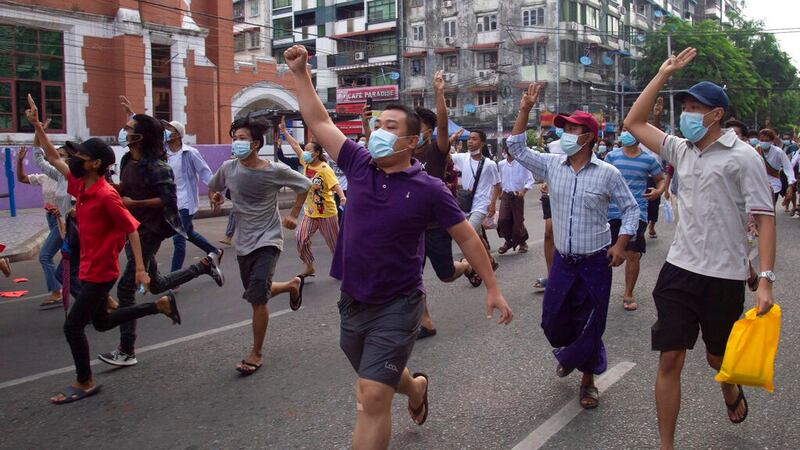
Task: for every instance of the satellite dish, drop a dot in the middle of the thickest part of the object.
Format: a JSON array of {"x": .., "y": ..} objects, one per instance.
[
  {"x": 469, "y": 108},
  {"x": 394, "y": 75},
  {"x": 586, "y": 61},
  {"x": 607, "y": 60},
  {"x": 658, "y": 13},
  {"x": 640, "y": 38}
]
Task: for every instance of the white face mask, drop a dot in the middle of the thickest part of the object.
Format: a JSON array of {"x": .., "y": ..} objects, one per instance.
[{"x": 475, "y": 152}]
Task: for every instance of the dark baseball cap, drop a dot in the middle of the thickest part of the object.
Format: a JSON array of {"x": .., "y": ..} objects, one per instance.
[
  {"x": 94, "y": 148},
  {"x": 578, "y": 118},
  {"x": 706, "y": 93}
]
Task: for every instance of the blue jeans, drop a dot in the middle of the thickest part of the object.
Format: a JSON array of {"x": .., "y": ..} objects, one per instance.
[
  {"x": 49, "y": 249},
  {"x": 179, "y": 254},
  {"x": 231, "y": 228}
]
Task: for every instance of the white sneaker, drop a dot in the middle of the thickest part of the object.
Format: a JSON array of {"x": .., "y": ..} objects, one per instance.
[
  {"x": 214, "y": 260},
  {"x": 118, "y": 358}
]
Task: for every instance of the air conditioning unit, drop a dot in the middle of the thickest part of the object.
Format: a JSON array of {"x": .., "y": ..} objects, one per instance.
[
  {"x": 622, "y": 10},
  {"x": 450, "y": 40},
  {"x": 572, "y": 26},
  {"x": 361, "y": 56},
  {"x": 449, "y": 77},
  {"x": 484, "y": 73},
  {"x": 447, "y": 3}
]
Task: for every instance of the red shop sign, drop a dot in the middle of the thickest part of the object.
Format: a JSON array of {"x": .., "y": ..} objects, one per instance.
[{"x": 361, "y": 94}]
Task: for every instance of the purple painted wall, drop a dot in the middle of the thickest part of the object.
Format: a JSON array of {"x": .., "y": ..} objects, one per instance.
[{"x": 31, "y": 196}]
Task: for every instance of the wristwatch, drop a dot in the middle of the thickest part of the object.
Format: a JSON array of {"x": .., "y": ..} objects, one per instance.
[{"x": 769, "y": 275}]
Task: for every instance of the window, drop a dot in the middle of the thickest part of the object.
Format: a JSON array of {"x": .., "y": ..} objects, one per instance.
[
  {"x": 535, "y": 54},
  {"x": 31, "y": 62},
  {"x": 417, "y": 3},
  {"x": 450, "y": 63},
  {"x": 486, "y": 60},
  {"x": 278, "y": 55},
  {"x": 612, "y": 26},
  {"x": 238, "y": 42},
  {"x": 384, "y": 45},
  {"x": 487, "y": 23},
  {"x": 533, "y": 17},
  {"x": 590, "y": 16},
  {"x": 486, "y": 98},
  {"x": 451, "y": 101},
  {"x": 161, "y": 60},
  {"x": 640, "y": 7},
  {"x": 449, "y": 28},
  {"x": 381, "y": 10},
  {"x": 418, "y": 32},
  {"x": 254, "y": 12},
  {"x": 254, "y": 40},
  {"x": 238, "y": 11},
  {"x": 418, "y": 67},
  {"x": 569, "y": 51},
  {"x": 276, "y": 4},
  {"x": 282, "y": 28},
  {"x": 417, "y": 101},
  {"x": 569, "y": 11}
]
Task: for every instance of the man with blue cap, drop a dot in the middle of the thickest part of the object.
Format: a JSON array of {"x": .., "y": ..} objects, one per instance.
[{"x": 701, "y": 285}]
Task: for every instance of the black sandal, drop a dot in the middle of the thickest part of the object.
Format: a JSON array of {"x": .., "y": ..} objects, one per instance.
[
  {"x": 173, "y": 309},
  {"x": 733, "y": 407},
  {"x": 473, "y": 277},
  {"x": 562, "y": 371},
  {"x": 426, "y": 332},
  {"x": 590, "y": 392},
  {"x": 246, "y": 372},
  {"x": 418, "y": 411},
  {"x": 73, "y": 394},
  {"x": 295, "y": 303}
]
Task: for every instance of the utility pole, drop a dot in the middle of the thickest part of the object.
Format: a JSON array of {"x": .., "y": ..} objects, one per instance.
[
  {"x": 620, "y": 118},
  {"x": 558, "y": 57},
  {"x": 671, "y": 97}
]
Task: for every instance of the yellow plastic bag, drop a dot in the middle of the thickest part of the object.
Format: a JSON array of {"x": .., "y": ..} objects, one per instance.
[{"x": 750, "y": 353}]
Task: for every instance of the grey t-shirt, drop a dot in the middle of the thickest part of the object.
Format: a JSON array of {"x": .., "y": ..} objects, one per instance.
[{"x": 254, "y": 194}]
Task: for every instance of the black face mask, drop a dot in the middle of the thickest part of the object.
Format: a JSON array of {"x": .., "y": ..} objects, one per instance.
[{"x": 76, "y": 167}]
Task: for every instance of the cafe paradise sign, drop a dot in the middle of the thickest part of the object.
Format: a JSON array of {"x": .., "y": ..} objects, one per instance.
[{"x": 361, "y": 94}]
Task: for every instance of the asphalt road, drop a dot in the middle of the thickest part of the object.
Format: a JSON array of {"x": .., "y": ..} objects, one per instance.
[{"x": 491, "y": 385}]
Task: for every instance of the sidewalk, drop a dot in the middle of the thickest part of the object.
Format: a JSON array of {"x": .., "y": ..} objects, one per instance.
[{"x": 23, "y": 235}]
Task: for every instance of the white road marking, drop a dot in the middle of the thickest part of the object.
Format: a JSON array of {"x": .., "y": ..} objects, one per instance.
[
  {"x": 191, "y": 337},
  {"x": 564, "y": 416}
]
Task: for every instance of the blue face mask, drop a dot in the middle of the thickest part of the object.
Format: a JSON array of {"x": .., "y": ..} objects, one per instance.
[
  {"x": 627, "y": 139},
  {"x": 692, "y": 126},
  {"x": 754, "y": 141},
  {"x": 569, "y": 143},
  {"x": 241, "y": 149},
  {"x": 765, "y": 145},
  {"x": 122, "y": 138},
  {"x": 786, "y": 142},
  {"x": 559, "y": 132},
  {"x": 307, "y": 157},
  {"x": 166, "y": 136},
  {"x": 614, "y": 148},
  {"x": 372, "y": 123},
  {"x": 602, "y": 149},
  {"x": 381, "y": 143}
]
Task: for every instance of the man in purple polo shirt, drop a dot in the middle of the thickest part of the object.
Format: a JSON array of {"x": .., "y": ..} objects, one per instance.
[{"x": 391, "y": 201}]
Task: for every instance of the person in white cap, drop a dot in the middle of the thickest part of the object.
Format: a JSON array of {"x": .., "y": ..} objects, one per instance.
[{"x": 188, "y": 166}]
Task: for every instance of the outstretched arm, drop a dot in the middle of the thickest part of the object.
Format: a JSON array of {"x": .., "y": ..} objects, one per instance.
[
  {"x": 21, "y": 177},
  {"x": 32, "y": 113},
  {"x": 311, "y": 107},
  {"x": 291, "y": 140},
  {"x": 637, "y": 119},
  {"x": 518, "y": 143},
  {"x": 442, "y": 140}
]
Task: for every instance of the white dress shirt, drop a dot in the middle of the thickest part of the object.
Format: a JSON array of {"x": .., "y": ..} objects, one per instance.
[{"x": 513, "y": 176}]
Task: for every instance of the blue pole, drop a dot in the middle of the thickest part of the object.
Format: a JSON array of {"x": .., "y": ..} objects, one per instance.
[{"x": 12, "y": 204}]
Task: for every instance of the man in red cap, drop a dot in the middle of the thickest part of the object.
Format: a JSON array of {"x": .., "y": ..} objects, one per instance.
[{"x": 579, "y": 284}]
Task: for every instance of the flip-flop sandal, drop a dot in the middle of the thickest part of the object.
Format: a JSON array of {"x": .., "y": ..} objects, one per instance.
[
  {"x": 562, "y": 371},
  {"x": 426, "y": 332},
  {"x": 246, "y": 372},
  {"x": 473, "y": 277},
  {"x": 733, "y": 407},
  {"x": 174, "y": 314},
  {"x": 541, "y": 283},
  {"x": 51, "y": 304},
  {"x": 629, "y": 304},
  {"x": 73, "y": 394},
  {"x": 424, "y": 405},
  {"x": 653, "y": 235},
  {"x": 295, "y": 303},
  {"x": 589, "y": 392},
  {"x": 5, "y": 267}
]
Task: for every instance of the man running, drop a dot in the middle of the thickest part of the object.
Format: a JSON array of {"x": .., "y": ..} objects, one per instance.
[
  {"x": 147, "y": 188},
  {"x": 515, "y": 182},
  {"x": 378, "y": 256},
  {"x": 188, "y": 166},
  {"x": 581, "y": 186},
  {"x": 701, "y": 285},
  {"x": 254, "y": 184},
  {"x": 636, "y": 167}
]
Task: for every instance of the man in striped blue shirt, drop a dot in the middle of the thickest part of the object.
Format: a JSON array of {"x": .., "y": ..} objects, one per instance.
[
  {"x": 579, "y": 285},
  {"x": 636, "y": 167}
]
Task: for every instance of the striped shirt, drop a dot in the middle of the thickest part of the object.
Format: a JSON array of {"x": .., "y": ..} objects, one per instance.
[
  {"x": 635, "y": 170},
  {"x": 579, "y": 200}
]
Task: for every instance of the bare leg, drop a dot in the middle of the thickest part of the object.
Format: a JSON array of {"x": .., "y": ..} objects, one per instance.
[
  {"x": 588, "y": 380},
  {"x": 631, "y": 272},
  {"x": 373, "y": 429},
  {"x": 668, "y": 395},
  {"x": 729, "y": 391},
  {"x": 283, "y": 287},
  {"x": 426, "y": 321},
  {"x": 549, "y": 244},
  {"x": 260, "y": 321}
]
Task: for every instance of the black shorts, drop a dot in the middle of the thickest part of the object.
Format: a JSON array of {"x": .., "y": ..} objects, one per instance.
[
  {"x": 256, "y": 269},
  {"x": 439, "y": 250},
  {"x": 378, "y": 339},
  {"x": 546, "y": 212},
  {"x": 637, "y": 243},
  {"x": 688, "y": 302}
]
